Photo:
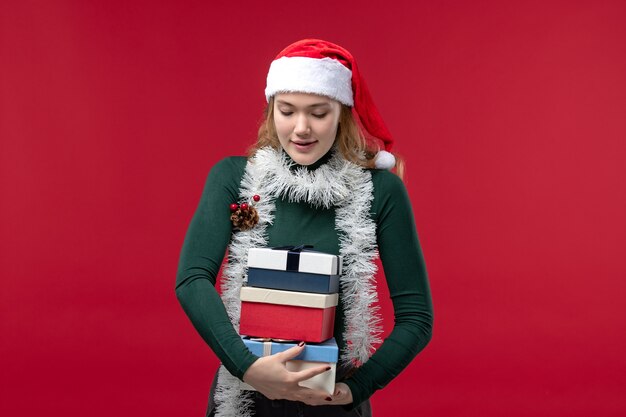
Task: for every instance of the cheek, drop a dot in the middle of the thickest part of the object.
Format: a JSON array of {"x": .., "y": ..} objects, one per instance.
[
  {"x": 281, "y": 127},
  {"x": 331, "y": 129},
  {"x": 333, "y": 124}
]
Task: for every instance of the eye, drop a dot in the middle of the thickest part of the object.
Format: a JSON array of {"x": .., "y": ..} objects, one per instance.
[
  {"x": 286, "y": 113},
  {"x": 320, "y": 116}
]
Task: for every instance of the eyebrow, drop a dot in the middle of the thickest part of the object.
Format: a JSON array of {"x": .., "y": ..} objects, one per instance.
[{"x": 312, "y": 105}]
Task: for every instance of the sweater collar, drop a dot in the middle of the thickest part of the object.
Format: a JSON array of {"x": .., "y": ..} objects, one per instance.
[{"x": 312, "y": 167}]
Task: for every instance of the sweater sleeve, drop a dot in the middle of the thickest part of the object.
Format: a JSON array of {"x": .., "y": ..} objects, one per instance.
[
  {"x": 406, "y": 278},
  {"x": 201, "y": 257}
]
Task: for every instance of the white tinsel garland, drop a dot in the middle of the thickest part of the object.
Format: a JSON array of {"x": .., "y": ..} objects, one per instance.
[{"x": 337, "y": 183}]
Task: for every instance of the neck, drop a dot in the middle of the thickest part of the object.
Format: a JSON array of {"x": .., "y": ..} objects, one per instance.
[{"x": 315, "y": 165}]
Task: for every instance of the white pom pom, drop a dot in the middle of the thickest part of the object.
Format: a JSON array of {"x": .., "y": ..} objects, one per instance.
[{"x": 384, "y": 160}]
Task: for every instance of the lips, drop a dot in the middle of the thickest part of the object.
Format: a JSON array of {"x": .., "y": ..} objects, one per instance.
[{"x": 303, "y": 145}]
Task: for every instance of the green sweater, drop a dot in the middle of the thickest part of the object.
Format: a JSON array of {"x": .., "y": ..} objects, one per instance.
[{"x": 210, "y": 233}]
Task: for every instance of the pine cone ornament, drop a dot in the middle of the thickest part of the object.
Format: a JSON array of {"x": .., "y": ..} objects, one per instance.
[{"x": 244, "y": 216}]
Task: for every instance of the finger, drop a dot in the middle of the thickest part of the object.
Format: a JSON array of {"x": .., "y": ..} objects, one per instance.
[
  {"x": 342, "y": 394},
  {"x": 310, "y": 373},
  {"x": 339, "y": 390},
  {"x": 290, "y": 353},
  {"x": 326, "y": 401},
  {"x": 312, "y": 396}
]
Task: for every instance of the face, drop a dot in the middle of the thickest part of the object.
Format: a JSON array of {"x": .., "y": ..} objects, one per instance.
[{"x": 306, "y": 125}]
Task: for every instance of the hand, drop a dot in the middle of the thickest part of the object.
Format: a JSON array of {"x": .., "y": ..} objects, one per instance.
[
  {"x": 269, "y": 376},
  {"x": 342, "y": 395}
]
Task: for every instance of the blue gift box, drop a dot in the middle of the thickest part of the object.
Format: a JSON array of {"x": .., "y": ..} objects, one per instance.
[
  {"x": 293, "y": 281},
  {"x": 313, "y": 352},
  {"x": 314, "y": 355}
]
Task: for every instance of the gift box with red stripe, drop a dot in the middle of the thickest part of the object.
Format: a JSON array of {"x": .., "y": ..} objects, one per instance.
[{"x": 290, "y": 315}]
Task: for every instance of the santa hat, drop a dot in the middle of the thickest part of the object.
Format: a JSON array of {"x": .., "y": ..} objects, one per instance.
[{"x": 321, "y": 67}]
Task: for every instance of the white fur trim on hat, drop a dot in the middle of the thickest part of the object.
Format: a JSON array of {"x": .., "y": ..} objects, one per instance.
[
  {"x": 384, "y": 160},
  {"x": 325, "y": 76}
]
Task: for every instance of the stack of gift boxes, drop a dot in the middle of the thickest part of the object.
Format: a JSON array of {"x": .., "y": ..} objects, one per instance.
[{"x": 291, "y": 296}]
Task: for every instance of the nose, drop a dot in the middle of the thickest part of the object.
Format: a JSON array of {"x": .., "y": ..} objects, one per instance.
[{"x": 302, "y": 127}]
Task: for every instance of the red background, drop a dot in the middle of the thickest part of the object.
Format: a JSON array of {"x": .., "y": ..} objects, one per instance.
[{"x": 512, "y": 120}]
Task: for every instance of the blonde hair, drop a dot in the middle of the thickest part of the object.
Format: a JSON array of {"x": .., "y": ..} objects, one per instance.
[{"x": 349, "y": 141}]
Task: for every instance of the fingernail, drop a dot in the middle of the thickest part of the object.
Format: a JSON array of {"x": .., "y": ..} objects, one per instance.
[
  {"x": 328, "y": 399},
  {"x": 328, "y": 368},
  {"x": 300, "y": 344}
]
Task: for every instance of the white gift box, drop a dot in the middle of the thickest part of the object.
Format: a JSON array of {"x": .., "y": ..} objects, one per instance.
[
  {"x": 285, "y": 260},
  {"x": 324, "y": 381}
]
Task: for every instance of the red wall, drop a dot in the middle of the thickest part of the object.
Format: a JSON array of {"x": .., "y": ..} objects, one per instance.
[{"x": 512, "y": 119}]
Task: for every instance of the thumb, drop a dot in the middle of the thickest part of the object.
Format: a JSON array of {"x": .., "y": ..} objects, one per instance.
[
  {"x": 291, "y": 353},
  {"x": 339, "y": 390}
]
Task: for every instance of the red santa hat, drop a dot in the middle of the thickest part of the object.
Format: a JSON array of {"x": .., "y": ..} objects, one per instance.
[{"x": 320, "y": 67}]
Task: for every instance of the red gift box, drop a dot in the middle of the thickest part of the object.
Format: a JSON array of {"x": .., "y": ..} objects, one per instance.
[{"x": 287, "y": 315}]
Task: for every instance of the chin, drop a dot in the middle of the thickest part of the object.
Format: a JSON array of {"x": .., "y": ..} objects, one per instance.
[{"x": 302, "y": 158}]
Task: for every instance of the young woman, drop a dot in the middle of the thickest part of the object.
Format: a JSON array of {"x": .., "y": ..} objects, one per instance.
[{"x": 319, "y": 175}]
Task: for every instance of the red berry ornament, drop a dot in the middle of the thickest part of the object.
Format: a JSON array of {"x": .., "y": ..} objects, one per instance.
[
  {"x": 234, "y": 207},
  {"x": 244, "y": 206},
  {"x": 256, "y": 197}
]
